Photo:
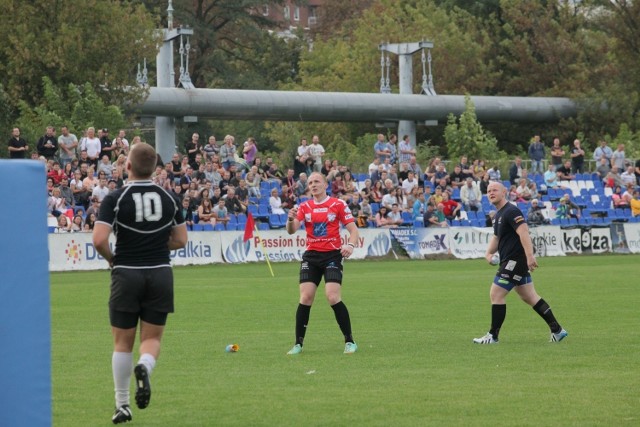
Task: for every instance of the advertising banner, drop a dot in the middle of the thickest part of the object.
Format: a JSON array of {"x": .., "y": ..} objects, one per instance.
[
  {"x": 75, "y": 251},
  {"x": 469, "y": 242},
  {"x": 278, "y": 245},
  {"x": 619, "y": 242},
  {"x": 547, "y": 241},
  {"x": 596, "y": 240},
  {"x": 632, "y": 235},
  {"x": 572, "y": 240},
  {"x": 421, "y": 242}
]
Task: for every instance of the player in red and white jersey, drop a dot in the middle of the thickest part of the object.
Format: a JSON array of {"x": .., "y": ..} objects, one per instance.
[{"x": 322, "y": 216}]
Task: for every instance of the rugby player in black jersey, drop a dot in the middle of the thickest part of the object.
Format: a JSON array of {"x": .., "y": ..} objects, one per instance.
[{"x": 148, "y": 224}]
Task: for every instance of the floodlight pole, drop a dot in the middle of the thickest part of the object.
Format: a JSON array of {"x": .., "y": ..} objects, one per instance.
[
  {"x": 405, "y": 53},
  {"x": 166, "y": 76}
]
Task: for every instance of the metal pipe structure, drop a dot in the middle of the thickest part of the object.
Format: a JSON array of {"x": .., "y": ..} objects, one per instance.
[{"x": 232, "y": 104}]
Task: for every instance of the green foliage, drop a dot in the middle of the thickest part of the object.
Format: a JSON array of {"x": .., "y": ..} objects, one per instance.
[
  {"x": 78, "y": 108},
  {"x": 73, "y": 41},
  {"x": 467, "y": 137},
  {"x": 631, "y": 141}
]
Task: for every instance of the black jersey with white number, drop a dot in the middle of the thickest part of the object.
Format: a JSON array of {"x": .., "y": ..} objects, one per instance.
[
  {"x": 142, "y": 216},
  {"x": 505, "y": 223}
]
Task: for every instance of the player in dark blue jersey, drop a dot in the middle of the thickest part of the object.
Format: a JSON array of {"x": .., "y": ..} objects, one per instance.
[
  {"x": 148, "y": 224},
  {"x": 512, "y": 242}
]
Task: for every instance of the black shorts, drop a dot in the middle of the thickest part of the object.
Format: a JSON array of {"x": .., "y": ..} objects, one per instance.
[
  {"x": 316, "y": 264},
  {"x": 142, "y": 292},
  {"x": 512, "y": 273}
]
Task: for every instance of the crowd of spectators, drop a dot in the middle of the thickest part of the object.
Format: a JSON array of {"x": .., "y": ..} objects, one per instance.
[{"x": 215, "y": 182}]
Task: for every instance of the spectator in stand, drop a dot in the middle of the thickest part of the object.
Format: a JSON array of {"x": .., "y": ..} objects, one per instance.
[
  {"x": 326, "y": 168},
  {"x": 617, "y": 198},
  {"x": 395, "y": 216},
  {"x": 533, "y": 190},
  {"x": 465, "y": 167},
  {"x": 289, "y": 199},
  {"x": 577, "y": 158},
  {"x": 217, "y": 195},
  {"x": 434, "y": 217},
  {"x": 64, "y": 225},
  {"x": 119, "y": 147},
  {"x": 603, "y": 169},
  {"x": 393, "y": 148},
  {"x": 515, "y": 171},
  {"x": 192, "y": 147},
  {"x": 565, "y": 172},
  {"x": 302, "y": 155},
  {"x": 494, "y": 174},
  {"x": 316, "y": 151},
  {"x": 393, "y": 176},
  {"x": 635, "y": 203},
  {"x": 416, "y": 169},
  {"x": 536, "y": 155},
  {"x": 637, "y": 172},
  {"x": 91, "y": 180},
  {"x": 451, "y": 208},
  {"x": 628, "y": 194},
  {"x": 524, "y": 193},
  {"x": 603, "y": 151},
  {"x": 221, "y": 213},
  {"x": 376, "y": 194},
  {"x": 535, "y": 216},
  {"x": 162, "y": 180},
  {"x": 382, "y": 218},
  {"x": 56, "y": 173},
  {"x": 430, "y": 172},
  {"x": 437, "y": 197},
  {"x": 471, "y": 196},
  {"x": 187, "y": 212},
  {"x": 48, "y": 144},
  {"x": 366, "y": 189},
  {"x": 176, "y": 168},
  {"x": 458, "y": 177},
  {"x": 56, "y": 204},
  {"x": 557, "y": 153},
  {"x": 389, "y": 199},
  {"x": 228, "y": 152},
  {"x": 406, "y": 151},
  {"x": 410, "y": 183},
  {"x": 89, "y": 221},
  {"x": 484, "y": 183},
  {"x": 68, "y": 170},
  {"x": 441, "y": 173},
  {"x": 80, "y": 193},
  {"x": 210, "y": 149},
  {"x": 551, "y": 177},
  {"x": 224, "y": 184},
  {"x": 253, "y": 183},
  {"x": 273, "y": 174},
  {"x": 628, "y": 177},
  {"x": 76, "y": 224},
  {"x": 512, "y": 194},
  {"x": 17, "y": 146},
  {"x": 388, "y": 187},
  {"x": 105, "y": 166},
  {"x": 573, "y": 210},
  {"x": 92, "y": 145},
  {"x": 233, "y": 204},
  {"x": 67, "y": 142},
  {"x": 478, "y": 169},
  {"x": 350, "y": 187},
  {"x": 381, "y": 148},
  {"x": 275, "y": 202},
  {"x": 100, "y": 191},
  {"x": 618, "y": 158},
  {"x": 250, "y": 151},
  {"x": 419, "y": 207},
  {"x": 562, "y": 210},
  {"x": 364, "y": 214},
  {"x": 242, "y": 194},
  {"x": 106, "y": 144},
  {"x": 66, "y": 192},
  {"x": 613, "y": 178},
  {"x": 205, "y": 211},
  {"x": 373, "y": 167}
]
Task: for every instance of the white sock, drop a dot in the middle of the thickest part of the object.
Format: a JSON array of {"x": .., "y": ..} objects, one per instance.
[
  {"x": 148, "y": 361},
  {"x": 122, "y": 366}
]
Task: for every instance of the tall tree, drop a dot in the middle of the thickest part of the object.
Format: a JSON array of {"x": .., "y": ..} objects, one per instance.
[{"x": 73, "y": 41}]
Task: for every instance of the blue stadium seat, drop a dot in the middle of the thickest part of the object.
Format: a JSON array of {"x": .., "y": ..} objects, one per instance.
[
  {"x": 274, "y": 221},
  {"x": 375, "y": 207},
  {"x": 253, "y": 210},
  {"x": 418, "y": 223},
  {"x": 263, "y": 226},
  {"x": 263, "y": 211},
  {"x": 471, "y": 215},
  {"x": 242, "y": 218},
  {"x": 406, "y": 218},
  {"x": 219, "y": 227},
  {"x": 455, "y": 223},
  {"x": 209, "y": 227}
]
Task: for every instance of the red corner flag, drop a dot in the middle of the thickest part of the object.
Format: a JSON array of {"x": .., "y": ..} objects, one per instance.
[{"x": 248, "y": 228}]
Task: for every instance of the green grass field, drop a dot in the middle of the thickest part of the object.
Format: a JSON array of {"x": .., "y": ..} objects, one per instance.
[{"x": 416, "y": 364}]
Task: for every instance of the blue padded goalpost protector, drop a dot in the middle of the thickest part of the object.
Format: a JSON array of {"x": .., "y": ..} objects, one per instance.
[{"x": 25, "y": 324}]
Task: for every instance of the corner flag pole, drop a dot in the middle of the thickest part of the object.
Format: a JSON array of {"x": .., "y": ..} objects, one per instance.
[
  {"x": 264, "y": 250},
  {"x": 249, "y": 229}
]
